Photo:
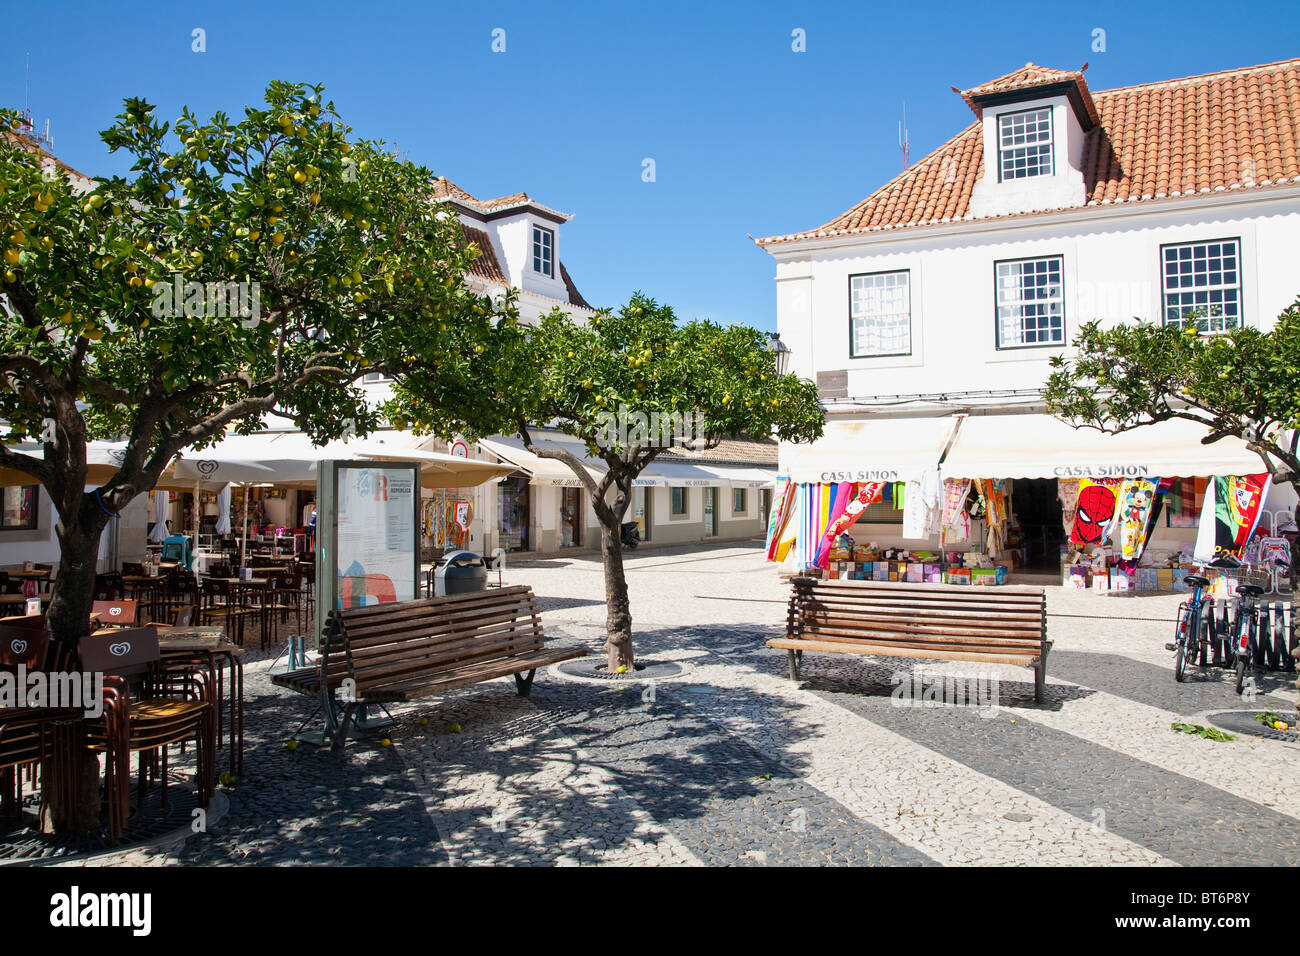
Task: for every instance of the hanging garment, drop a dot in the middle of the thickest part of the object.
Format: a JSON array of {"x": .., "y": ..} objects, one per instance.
[
  {"x": 956, "y": 520},
  {"x": 1163, "y": 486},
  {"x": 1231, "y": 511},
  {"x": 782, "y": 507},
  {"x": 1095, "y": 512},
  {"x": 913, "y": 511},
  {"x": 932, "y": 495},
  {"x": 1137, "y": 497},
  {"x": 1067, "y": 489}
]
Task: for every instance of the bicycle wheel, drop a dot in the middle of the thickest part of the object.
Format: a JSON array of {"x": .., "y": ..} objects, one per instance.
[
  {"x": 1242, "y": 664},
  {"x": 1183, "y": 633}
]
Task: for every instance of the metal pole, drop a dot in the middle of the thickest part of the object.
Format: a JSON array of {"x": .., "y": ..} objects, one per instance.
[{"x": 243, "y": 546}]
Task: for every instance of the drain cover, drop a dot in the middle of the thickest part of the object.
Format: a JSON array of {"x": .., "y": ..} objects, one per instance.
[
  {"x": 1244, "y": 722},
  {"x": 587, "y": 668}
]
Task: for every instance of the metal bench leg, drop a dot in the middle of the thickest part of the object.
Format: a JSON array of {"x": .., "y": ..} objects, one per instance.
[
  {"x": 524, "y": 685},
  {"x": 345, "y": 725},
  {"x": 795, "y": 658},
  {"x": 1040, "y": 681}
]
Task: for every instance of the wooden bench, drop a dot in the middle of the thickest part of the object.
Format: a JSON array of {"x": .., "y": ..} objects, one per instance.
[
  {"x": 400, "y": 652},
  {"x": 997, "y": 625}
]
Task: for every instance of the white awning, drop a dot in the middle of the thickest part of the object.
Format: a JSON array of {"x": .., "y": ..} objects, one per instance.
[
  {"x": 658, "y": 474},
  {"x": 1040, "y": 446},
  {"x": 543, "y": 471},
  {"x": 878, "y": 449}
]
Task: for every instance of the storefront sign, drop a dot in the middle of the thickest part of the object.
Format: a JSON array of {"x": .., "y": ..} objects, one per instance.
[
  {"x": 1102, "y": 471},
  {"x": 860, "y": 474}
]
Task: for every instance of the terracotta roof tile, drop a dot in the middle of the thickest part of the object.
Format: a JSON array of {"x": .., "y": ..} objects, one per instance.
[
  {"x": 1238, "y": 129},
  {"x": 486, "y": 265}
]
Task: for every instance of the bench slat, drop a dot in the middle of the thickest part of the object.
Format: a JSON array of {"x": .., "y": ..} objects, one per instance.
[
  {"x": 894, "y": 651},
  {"x": 488, "y": 670},
  {"x": 924, "y": 636}
]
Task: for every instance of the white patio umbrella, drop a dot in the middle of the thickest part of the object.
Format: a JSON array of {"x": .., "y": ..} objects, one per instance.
[
  {"x": 223, "y": 511},
  {"x": 161, "y": 502}
]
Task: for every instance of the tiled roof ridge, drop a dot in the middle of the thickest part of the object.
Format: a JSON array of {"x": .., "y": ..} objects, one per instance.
[{"x": 1199, "y": 77}]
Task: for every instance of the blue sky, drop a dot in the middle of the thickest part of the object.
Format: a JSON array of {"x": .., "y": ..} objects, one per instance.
[{"x": 748, "y": 136}]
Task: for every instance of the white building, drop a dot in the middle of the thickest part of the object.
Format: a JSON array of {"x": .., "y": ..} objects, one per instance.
[{"x": 946, "y": 291}]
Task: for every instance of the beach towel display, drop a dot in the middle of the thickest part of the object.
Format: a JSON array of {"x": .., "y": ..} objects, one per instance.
[
  {"x": 1229, "y": 515},
  {"x": 1095, "y": 513},
  {"x": 839, "y": 502},
  {"x": 1137, "y": 497},
  {"x": 782, "y": 507},
  {"x": 921, "y": 511},
  {"x": 861, "y": 494},
  {"x": 815, "y": 503},
  {"x": 1163, "y": 488},
  {"x": 932, "y": 495},
  {"x": 956, "y": 520}
]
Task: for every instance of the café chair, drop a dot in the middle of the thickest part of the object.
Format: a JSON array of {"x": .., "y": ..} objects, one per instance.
[
  {"x": 114, "y": 613},
  {"x": 148, "y": 709}
]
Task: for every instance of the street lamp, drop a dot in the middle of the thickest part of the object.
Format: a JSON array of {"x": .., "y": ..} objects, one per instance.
[{"x": 780, "y": 353}]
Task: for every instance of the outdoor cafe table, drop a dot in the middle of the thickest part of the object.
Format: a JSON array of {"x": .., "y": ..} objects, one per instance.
[
  {"x": 36, "y": 574},
  {"x": 8, "y": 600},
  {"x": 208, "y": 645}
]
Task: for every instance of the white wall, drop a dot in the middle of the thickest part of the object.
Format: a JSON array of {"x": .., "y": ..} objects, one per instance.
[{"x": 1111, "y": 272}]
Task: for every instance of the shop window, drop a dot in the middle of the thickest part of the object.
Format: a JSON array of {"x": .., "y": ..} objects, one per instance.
[
  {"x": 880, "y": 314},
  {"x": 679, "y": 501},
  {"x": 20, "y": 508},
  {"x": 1025, "y": 144},
  {"x": 1030, "y": 302},
  {"x": 1183, "y": 502},
  {"x": 1201, "y": 282},
  {"x": 739, "y": 501}
]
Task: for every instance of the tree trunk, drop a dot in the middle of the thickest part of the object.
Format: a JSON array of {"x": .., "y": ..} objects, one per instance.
[
  {"x": 618, "y": 609},
  {"x": 73, "y": 804}
]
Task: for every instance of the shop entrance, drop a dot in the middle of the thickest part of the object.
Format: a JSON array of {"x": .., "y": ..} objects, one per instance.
[
  {"x": 642, "y": 504},
  {"x": 710, "y": 513},
  {"x": 1037, "y": 510},
  {"x": 571, "y": 515},
  {"x": 512, "y": 504}
]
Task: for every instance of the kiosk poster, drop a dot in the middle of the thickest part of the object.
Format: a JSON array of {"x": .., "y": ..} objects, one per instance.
[{"x": 377, "y": 535}]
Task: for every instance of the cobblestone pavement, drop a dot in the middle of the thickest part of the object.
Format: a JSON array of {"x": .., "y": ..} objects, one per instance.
[{"x": 734, "y": 764}]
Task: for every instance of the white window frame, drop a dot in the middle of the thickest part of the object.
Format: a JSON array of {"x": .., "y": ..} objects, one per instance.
[
  {"x": 1020, "y": 151},
  {"x": 877, "y": 325},
  {"x": 1223, "y": 290},
  {"x": 540, "y": 251},
  {"x": 1012, "y": 307}
]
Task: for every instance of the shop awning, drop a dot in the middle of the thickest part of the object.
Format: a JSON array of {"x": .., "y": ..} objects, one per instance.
[
  {"x": 658, "y": 474},
  {"x": 878, "y": 449},
  {"x": 1040, "y": 446},
  {"x": 543, "y": 471}
]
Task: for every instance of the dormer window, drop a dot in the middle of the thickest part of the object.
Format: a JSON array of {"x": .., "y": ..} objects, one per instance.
[
  {"x": 1025, "y": 144},
  {"x": 544, "y": 251}
]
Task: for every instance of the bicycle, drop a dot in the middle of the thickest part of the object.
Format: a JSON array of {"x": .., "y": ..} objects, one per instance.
[
  {"x": 1245, "y": 633},
  {"x": 1188, "y": 640}
]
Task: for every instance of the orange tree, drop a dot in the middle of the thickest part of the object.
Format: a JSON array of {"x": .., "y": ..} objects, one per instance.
[
  {"x": 240, "y": 268},
  {"x": 609, "y": 382},
  {"x": 1241, "y": 383}
]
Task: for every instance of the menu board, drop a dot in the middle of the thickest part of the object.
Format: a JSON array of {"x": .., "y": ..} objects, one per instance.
[{"x": 370, "y": 551}]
